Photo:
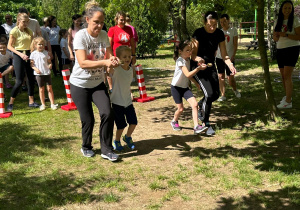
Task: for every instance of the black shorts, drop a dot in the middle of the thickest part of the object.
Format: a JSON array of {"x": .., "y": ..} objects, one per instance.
[
  {"x": 287, "y": 56},
  {"x": 222, "y": 67},
  {"x": 43, "y": 79},
  {"x": 120, "y": 112},
  {"x": 178, "y": 93},
  {"x": 3, "y": 68}
]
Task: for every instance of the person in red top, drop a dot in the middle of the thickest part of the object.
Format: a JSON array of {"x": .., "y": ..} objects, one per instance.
[{"x": 118, "y": 35}]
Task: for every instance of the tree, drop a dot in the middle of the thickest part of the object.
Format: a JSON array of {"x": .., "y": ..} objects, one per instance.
[{"x": 264, "y": 61}]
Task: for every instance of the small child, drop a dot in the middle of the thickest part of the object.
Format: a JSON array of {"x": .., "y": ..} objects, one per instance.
[
  {"x": 121, "y": 98},
  {"x": 65, "y": 56},
  {"x": 180, "y": 85},
  {"x": 41, "y": 64},
  {"x": 5, "y": 66}
]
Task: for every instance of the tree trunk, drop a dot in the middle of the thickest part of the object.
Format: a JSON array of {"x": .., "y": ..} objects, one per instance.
[
  {"x": 264, "y": 61},
  {"x": 269, "y": 32},
  {"x": 184, "y": 31},
  {"x": 174, "y": 12}
]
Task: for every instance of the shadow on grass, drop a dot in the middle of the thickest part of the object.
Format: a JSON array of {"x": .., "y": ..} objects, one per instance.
[{"x": 286, "y": 198}]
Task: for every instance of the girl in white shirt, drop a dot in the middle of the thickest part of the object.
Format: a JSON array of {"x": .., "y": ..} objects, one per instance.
[
  {"x": 180, "y": 85},
  {"x": 41, "y": 64}
]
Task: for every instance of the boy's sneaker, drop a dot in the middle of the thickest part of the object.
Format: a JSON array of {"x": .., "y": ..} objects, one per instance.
[
  {"x": 10, "y": 107},
  {"x": 110, "y": 156},
  {"x": 129, "y": 142},
  {"x": 222, "y": 98},
  {"x": 175, "y": 125},
  {"x": 34, "y": 105},
  {"x": 199, "y": 129},
  {"x": 237, "y": 94},
  {"x": 42, "y": 107},
  {"x": 210, "y": 131},
  {"x": 87, "y": 152},
  {"x": 117, "y": 145},
  {"x": 284, "y": 105},
  {"x": 54, "y": 106}
]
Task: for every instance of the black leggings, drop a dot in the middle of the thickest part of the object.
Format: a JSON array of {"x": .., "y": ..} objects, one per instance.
[
  {"x": 56, "y": 50},
  {"x": 83, "y": 98},
  {"x": 209, "y": 83},
  {"x": 20, "y": 67}
]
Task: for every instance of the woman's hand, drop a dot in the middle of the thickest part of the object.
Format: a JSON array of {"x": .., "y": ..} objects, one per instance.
[
  {"x": 24, "y": 56},
  {"x": 133, "y": 60},
  {"x": 112, "y": 62},
  {"x": 199, "y": 59},
  {"x": 232, "y": 69},
  {"x": 282, "y": 34},
  {"x": 72, "y": 57}
]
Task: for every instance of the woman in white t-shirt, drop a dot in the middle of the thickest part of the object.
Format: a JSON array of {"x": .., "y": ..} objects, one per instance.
[
  {"x": 287, "y": 35},
  {"x": 87, "y": 81}
]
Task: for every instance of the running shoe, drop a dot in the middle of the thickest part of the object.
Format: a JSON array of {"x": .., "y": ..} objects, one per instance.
[
  {"x": 110, "y": 156},
  {"x": 10, "y": 107},
  {"x": 210, "y": 131},
  {"x": 237, "y": 94},
  {"x": 129, "y": 142},
  {"x": 199, "y": 129},
  {"x": 117, "y": 145},
  {"x": 87, "y": 152},
  {"x": 284, "y": 98},
  {"x": 42, "y": 107},
  {"x": 222, "y": 98},
  {"x": 284, "y": 105},
  {"x": 34, "y": 105},
  {"x": 175, "y": 125},
  {"x": 54, "y": 106}
]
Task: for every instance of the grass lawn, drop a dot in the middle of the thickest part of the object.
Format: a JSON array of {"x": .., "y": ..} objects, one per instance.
[{"x": 251, "y": 162}]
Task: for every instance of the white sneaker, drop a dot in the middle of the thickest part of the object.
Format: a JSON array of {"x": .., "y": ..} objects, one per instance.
[
  {"x": 284, "y": 98},
  {"x": 54, "y": 106},
  {"x": 237, "y": 94},
  {"x": 284, "y": 105},
  {"x": 42, "y": 107},
  {"x": 222, "y": 98}
]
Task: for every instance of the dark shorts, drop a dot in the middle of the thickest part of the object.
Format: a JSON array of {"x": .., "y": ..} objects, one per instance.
[
  {"x": 43, "y": 79},
  {"x": 3, "y": 68},
  {"x": 65, "y": 61},
  {"x": 120, "y": 112},
  {"x": 222, "y": 67},
  {"x": 178, "y": 93},
  {"x": 287, "y": 56}
]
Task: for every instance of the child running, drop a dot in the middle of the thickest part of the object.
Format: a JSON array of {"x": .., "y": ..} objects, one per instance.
[
  {"x": 121, "y": 99},
  {"x": 65, "y": 56},
  {"x": 180, "y": 85},
  {"x": 41, "y": 64}
]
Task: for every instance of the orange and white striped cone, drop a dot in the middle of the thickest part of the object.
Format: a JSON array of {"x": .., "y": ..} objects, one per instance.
[
  {"x": 3, "y": 114},
  {"x": 142, "y": 87},
  {"x": 71, "y": 105}
]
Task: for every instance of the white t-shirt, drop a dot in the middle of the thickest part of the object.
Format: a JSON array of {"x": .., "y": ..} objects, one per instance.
[
  {"x": 89, "y": 78},
  {"x": 179, "y": 79},
  {"x": 53, "y": 35},
  {"x": 64, "y": 44},
  {"x": 41, "y": 62},
  {"x": 4, "y": 59},
  {"x": 34, "y": 26},
  {"x": 229, "y": 36},
  {"x": 285, "y": 42},
  {"x": 8, "y": 27},
  {"x": 121, "y": 80}
]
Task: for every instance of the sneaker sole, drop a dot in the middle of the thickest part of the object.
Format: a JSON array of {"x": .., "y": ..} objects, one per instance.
[
  {"x": 200, "y": 131},
  {"x": 106, "y": 157}
]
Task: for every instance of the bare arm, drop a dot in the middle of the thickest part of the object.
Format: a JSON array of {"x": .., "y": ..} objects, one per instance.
[
  {"x": 195, "y": 45},
  {"x": 294, "y": 36},
  {"x": 226, "y": 58},
  {"x": 132, "y": 44},
  {"x": 190, "y": 74},
  {"x": 66, "y": 52},
  {"x": 235, "y": 47},
  {"x": 34, "y": 68},
  {"x": 70, "y": 39}
]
